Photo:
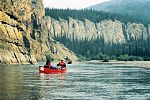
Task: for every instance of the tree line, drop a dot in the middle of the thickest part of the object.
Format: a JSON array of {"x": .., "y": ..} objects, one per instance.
[
  {"x": 97, "y": 49},
  {"x": 92, "y": 15}
]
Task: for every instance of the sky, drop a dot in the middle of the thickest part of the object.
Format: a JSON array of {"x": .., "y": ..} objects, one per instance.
[{"x": 73, "y": 4}]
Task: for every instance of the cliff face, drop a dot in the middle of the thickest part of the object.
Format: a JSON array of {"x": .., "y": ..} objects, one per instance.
[
  {"x": 111, "y": 31},
  {"x": 24, "y": 32}
]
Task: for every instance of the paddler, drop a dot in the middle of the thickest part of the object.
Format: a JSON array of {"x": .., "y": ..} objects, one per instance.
[
  {"x": 61, "y": 64},
  {"x": 48, "y": 64}
]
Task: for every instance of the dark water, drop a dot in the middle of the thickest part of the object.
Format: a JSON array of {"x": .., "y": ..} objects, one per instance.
[{"x": 82, "y": 81}]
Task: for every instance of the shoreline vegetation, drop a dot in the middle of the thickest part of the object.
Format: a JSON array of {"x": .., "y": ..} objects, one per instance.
[
  {"x": 122, "y": 60},
  {"x": 142, "y": 64},
  {"x": 106, "y": 58}
]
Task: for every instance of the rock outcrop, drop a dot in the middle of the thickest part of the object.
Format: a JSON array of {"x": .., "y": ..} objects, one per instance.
[
  {"x": 24, "y": 32},
  {"x": 111, "y": 31}
]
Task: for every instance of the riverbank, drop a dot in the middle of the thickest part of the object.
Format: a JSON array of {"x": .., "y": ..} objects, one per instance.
[{"x": 145, "y": 64}]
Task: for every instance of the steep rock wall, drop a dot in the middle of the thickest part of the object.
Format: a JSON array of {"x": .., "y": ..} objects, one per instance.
[
  {"x": 111, "y": 31},
  {"x": 24, "y": 33}
]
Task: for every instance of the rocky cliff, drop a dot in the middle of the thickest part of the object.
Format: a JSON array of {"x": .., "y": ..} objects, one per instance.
[
  {"x": 24, "y": 33},
  {"x": 111, "y": 31}
]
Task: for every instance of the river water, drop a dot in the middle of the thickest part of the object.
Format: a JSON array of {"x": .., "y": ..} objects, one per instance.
[{"x": 82, "y": 81}]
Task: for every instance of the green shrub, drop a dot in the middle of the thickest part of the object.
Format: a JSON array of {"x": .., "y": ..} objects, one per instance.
[
  {"x": 100, "y": 56},
  {"x": 139, "y": 58},
  {"x": 113, "y": 58},
  {"x": 94, "y": 57},
  {"x": 146, "y": 58},
  {"x": 131, "y": 58},
  {"x": 49, "y": 56},
  {"x": 123, "y": 58},
  {"x": 82, "y": 58},
  {"x": 135, "y": 58},
  {"x": 106, "y": 58}
]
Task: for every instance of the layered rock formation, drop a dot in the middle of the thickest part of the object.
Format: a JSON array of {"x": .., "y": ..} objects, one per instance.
[
  {"x": 111, "y": 31},
  {"x": 24, "y": 32}
]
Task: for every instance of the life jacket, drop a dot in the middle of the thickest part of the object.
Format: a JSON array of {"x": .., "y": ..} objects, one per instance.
[
  {"x": 48, "y": 64},
  {"x": 61, "y": 63}
]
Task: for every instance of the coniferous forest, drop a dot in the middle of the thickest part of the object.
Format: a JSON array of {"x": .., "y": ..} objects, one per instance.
[
  {"x": 97, "y": 49},
  {"x": 92, "y": 15}
]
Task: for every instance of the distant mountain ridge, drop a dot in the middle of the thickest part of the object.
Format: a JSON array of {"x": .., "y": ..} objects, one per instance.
[{"x": 138, "y": 9}]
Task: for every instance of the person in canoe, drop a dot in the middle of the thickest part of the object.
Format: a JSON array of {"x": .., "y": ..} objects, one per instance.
[
  {"x": 61, "y": 64},
  {"x": 48, "y": 64}
]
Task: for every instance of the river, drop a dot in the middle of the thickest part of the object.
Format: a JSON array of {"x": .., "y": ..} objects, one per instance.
[{"x": 82, "y": 81}]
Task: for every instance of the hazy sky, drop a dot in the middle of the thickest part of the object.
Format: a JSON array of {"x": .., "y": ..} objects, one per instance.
[{"x": 77, "y": 4}]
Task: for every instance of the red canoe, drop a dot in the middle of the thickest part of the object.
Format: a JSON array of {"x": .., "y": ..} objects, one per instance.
[{"x": 52, "y": 71}]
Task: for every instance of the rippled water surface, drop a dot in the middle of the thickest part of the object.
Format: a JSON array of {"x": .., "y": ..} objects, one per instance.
[{"x": 82, "y": 81}]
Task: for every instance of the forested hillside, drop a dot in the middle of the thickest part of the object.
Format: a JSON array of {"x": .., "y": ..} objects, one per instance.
[
  {"x": 135, "y": 46},
  {"x": 98, "y": 49},
  {"x": 92, "y": 15}
]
